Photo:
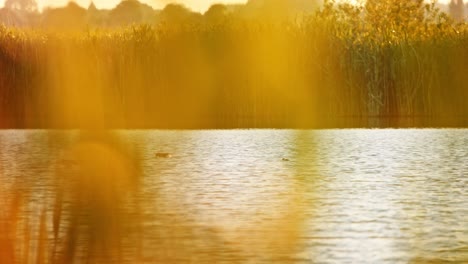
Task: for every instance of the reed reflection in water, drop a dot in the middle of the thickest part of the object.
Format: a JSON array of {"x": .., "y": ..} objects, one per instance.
[{"x": 239, "y": 196}]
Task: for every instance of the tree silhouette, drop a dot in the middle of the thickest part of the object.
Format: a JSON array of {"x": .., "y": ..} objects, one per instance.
[
  {"x": 70, "y": 17},
  {"x": 274, "y": 9},
  {"x": 456, "y": 9},
  {"x": 128, "y": 12},
  {"x": 177, "y": 14},
  {"x": 216, "y": 13},
  {"x": 21, "y": 5}
]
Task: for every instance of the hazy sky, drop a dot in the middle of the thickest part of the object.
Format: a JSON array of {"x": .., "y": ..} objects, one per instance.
[{"x": 198, "y": 5}]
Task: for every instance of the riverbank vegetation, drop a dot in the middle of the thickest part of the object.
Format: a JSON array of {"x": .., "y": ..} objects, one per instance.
[{"x": 385, "y": 63}]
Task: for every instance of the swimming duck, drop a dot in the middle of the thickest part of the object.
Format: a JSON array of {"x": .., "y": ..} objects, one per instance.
[{"x": 162, "y": 155}]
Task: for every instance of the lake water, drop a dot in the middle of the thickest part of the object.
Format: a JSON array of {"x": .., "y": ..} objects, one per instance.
[{"x": 245, "y": 196}]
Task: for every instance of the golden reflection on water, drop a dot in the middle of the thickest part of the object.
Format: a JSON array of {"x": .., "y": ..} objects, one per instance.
[
  {"x": 257, "y": 196},
  {"x": 96, "y": 178},
  {"x": 254, "y": 211}
]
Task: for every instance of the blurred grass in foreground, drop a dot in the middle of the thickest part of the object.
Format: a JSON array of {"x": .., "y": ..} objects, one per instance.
[
  {"x": 91, "y": 214},
  {"x": 94, "y": 207}
]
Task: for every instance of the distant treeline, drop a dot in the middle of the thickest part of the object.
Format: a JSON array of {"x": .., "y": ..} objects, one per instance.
[
  {"x": 72, "y": 16},
  {"x": 387, "y": 63},
  {"x": 25, "y": 13}
]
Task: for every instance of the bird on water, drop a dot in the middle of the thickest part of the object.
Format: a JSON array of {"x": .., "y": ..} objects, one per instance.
[{"x": 162, "y": 155}]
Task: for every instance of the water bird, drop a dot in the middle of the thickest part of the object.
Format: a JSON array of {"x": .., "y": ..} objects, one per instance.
[{"x": 162, "y": 155}]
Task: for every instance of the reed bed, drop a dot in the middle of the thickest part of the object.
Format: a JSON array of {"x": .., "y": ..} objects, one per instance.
[{"x": 394, "y": 64}]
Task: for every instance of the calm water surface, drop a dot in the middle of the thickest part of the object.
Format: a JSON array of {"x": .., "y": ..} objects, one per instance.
[{"x": 275, "y": 196}]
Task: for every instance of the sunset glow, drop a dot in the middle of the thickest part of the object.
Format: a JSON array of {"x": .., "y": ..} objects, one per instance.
[
  {"x": 233, "y": 131},
  {"x": 196, "y": 5}
]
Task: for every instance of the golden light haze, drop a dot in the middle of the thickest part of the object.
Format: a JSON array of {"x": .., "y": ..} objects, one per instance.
[{"x": 196, "y": 5}]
